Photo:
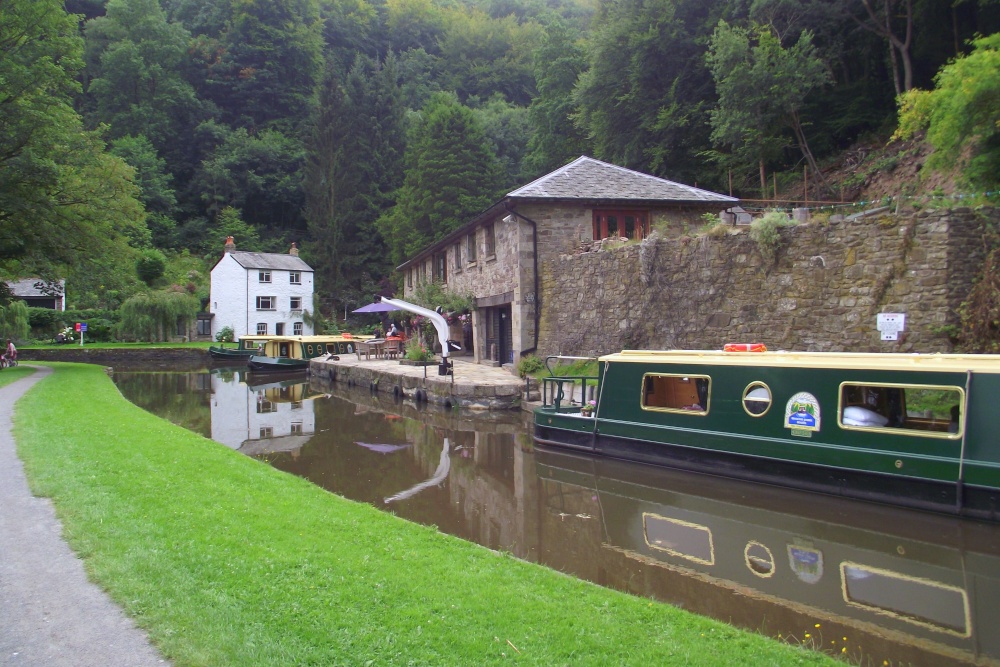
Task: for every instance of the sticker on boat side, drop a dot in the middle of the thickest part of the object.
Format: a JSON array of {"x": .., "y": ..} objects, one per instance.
[{"x": 802, "y": 415}]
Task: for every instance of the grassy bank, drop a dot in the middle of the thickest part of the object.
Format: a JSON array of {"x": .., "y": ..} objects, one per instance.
[
  {"x": 8, "y": 375},
  {"x": 226, "y": 561}
]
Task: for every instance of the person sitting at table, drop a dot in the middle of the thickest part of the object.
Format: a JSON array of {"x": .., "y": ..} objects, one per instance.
[{"x": 393, "y": 331}]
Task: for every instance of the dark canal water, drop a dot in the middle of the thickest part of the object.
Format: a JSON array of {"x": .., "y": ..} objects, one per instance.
[{"x": 878, "y": 585}]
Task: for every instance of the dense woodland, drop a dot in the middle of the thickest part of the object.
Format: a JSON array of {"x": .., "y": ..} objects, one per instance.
[{"x": 135, "y": 135}]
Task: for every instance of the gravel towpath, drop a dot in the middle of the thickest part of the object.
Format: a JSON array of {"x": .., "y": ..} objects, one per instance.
[{"x": 51, "y": 615}]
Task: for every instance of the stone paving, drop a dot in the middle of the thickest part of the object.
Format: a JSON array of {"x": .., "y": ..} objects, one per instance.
[{"x": 472, "y": 385}]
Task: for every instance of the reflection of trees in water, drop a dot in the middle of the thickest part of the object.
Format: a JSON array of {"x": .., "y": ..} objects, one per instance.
[{"x": 181, "y": 398}]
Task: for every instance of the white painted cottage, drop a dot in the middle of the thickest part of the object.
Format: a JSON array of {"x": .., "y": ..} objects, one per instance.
[{"x": 261, "y": 293}]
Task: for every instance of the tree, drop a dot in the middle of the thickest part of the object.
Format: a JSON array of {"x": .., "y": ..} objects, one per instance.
[
  {"x": 451, "y": 175},
  {"x": 260, "y": 174},
  {"x": 269, "y": 63},
  {"x": 14, "y": 321},
  {"x": 884, "y": 18},
  {"x": 66, "y": 206},
  {"x": 354, "y": 164},
  {"x": 762, "y": 88},
  {"x": 151, "y": 265},
  {"x": 154, "y": 181},
  {"x": 643, "y": 102},
  {"x": 961, "y": 115},
  {"x": 154, "y": 316},
  {"x": 508, "y": 128},
  {"x": 135, "y": 59},
  {"x": 555, "y": 139}
]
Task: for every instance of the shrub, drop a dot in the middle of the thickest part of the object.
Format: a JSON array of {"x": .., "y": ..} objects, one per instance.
[
  {"x": 225, "y": 335},
  {"x": 765, "y": 232},
  {"x": 151, "y": 265},
  {"x": 529, "y": 365},
  {"x": 418, "y": 352}
]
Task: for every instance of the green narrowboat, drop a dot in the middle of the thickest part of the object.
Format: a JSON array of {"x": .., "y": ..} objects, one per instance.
[
  {"x": 914, "y": 430},
  {"x": 287, "y": 353},
  {"x": 245, "y": 348}
]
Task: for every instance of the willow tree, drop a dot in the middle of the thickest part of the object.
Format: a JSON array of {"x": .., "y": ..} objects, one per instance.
[
  {"x": 152, "y": 316},
  {"x": 14, "y": 320}
]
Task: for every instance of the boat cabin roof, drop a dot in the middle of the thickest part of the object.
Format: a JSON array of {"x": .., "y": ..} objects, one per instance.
[
  {"x": 300, "y": 339},
  {"x": 980, "y": 363}
]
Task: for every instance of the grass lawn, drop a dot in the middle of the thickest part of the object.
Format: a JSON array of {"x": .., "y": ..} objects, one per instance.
[
  {"x": 8, "y": 375},
  {"x": 227, "y": 561}
]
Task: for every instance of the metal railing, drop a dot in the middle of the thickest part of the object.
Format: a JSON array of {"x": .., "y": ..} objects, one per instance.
[{"x": 559, "y": 388}]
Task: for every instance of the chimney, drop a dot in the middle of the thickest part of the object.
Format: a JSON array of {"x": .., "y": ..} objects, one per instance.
[
  {"x": 230, "y": 244},
  {"x": 294, "y": 250}
]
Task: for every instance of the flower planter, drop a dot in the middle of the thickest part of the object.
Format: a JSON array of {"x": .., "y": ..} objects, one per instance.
[{"x": 408, "y": 362}]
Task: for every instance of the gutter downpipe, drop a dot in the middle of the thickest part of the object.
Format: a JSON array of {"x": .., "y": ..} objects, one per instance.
[{"x": 534, "y": 254}]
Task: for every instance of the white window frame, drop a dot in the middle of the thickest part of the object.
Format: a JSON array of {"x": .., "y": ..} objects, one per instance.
[
  {"x": 271, "y": 302},
  {"x": 263, "y": 276},
  {"x": 295, "y": 277},
  {"x": 295, "y": 303},
  {"x": 296, "y": 328},
  {"x": 262, "y": 328}
]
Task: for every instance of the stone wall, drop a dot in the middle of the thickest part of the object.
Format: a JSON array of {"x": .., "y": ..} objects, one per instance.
[
  {"x": 822, "y": 293},
  {"x": 174, "y": 358}
]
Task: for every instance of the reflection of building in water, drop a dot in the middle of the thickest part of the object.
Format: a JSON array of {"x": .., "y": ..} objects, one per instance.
[{"x": 257, "y": 419}]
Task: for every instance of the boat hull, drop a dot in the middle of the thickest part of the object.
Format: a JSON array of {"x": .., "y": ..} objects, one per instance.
[
  {"x": 948, "y": 498},
  {"x": 874, "y": 427},
  {"x": 276, "y": 364},
  {"x": 229, "y": 354}
]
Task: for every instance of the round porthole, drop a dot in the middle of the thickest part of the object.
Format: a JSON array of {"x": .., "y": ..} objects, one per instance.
[
  {"x": 759, "y": 559},
  {"x": 757, "y": 399}
]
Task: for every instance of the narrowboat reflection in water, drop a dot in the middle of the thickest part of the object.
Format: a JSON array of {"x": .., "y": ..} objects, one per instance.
[{"x": 855, "y": 579}]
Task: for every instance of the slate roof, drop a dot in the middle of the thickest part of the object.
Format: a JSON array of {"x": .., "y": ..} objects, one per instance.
[
  {"x": 588, "y": 179},
  {"x": 270, "y": 260},
  {"x": 36, "y": 287}
]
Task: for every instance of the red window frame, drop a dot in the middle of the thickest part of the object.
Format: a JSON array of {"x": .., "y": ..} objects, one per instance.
[{"x": 632, "y": 224}]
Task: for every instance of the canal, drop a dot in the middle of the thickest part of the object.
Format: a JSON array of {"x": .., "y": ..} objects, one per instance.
[{"x": 873, "y": 584}]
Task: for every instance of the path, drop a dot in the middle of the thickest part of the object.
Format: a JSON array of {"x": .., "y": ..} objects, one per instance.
[{"x": 50, "y": 614}]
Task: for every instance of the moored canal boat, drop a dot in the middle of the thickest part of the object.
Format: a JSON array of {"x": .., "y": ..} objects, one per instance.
[
  {"x": 246, "y": 347},
  {"x": 914, "y": 430},
  {"x": 290, "y": 353}
]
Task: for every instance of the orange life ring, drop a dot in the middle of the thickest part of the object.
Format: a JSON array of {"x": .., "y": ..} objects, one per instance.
[{"x": 745, "y": 347}]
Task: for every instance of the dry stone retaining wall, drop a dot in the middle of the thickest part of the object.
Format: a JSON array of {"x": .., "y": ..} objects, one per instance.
[{"x": 823, "y": 292}]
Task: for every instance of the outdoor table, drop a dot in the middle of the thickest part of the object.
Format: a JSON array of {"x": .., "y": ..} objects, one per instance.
[{"x": 377, "y": 345}]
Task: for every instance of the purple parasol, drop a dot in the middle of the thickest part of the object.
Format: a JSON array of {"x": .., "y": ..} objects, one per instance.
[{"x": 377, "y": 307}]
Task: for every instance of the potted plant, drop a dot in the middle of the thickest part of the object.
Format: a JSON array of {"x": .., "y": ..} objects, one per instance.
[{"x": 588, "y": 408}]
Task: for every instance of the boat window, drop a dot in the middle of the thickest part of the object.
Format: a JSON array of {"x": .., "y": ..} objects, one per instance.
[
  {"x": 757, "y": 399},
  {"x": 688, "y": 394},
  {"x": 759, "y": 559},
  {"x": 687, "y": 540},
  {"x": 923, "y": 602},
  {"x": 924, "y": 410}
]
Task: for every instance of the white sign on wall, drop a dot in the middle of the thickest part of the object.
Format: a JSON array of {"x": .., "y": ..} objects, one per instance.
[{"x": 890, "y": 324}]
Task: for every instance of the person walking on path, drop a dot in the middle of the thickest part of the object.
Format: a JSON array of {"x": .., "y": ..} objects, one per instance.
[{"x": 50, "y": 614}]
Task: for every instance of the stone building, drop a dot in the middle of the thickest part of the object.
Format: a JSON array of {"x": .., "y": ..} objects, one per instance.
[
  {"x": 498, "y": 258},
  {"x": 261, "y": 293}
]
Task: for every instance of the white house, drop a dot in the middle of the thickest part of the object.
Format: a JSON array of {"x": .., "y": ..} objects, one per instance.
[{"x": 261, "y": 293}]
